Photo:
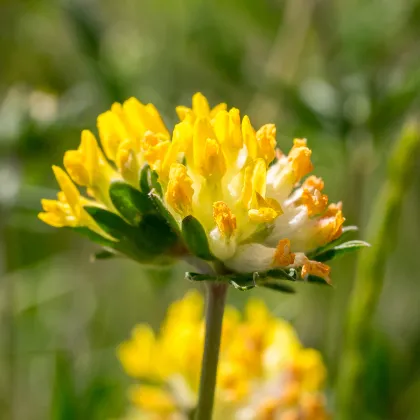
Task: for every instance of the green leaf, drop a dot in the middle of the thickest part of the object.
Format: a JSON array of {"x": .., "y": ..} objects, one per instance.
[
  {"x": 130, "y": 202},
  {"x": 154, "y": 182},
  {"x": 339, "y": 250},
  {"x": 145, "y": 179},
  {"x": 280, "y": 274},
  {"x": 241, "y": 288},
  {"x": 110, "y": 222},
  {"x": 278, "y": 287},
  {"x": 195, "y": 238},
  {"x": 243, "y": 281},
  {"x": 190, "y": 276},
  {"x": 347, "y": 231},
  {"x": 154, "y": 235},
  {"x": 163, "y": 211},
  {"x": 94, "y": 237}
]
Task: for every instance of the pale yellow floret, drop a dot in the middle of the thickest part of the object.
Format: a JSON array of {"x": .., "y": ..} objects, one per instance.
[
  {"x": 283, "y": 255},
  {"x": 224, "y": 218},
  {"x": 179, "y": 191}
]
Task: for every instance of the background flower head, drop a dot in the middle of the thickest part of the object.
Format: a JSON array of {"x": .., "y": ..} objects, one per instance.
[{"x": 265, "y": 373}]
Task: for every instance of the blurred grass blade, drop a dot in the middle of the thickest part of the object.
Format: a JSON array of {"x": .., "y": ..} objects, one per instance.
[
  {"x": 382, "y": 234},
  {"x": 64, "y": 401}
]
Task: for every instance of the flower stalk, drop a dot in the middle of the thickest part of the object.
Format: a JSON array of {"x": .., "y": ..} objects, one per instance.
[{"x": 215, "y": 306}]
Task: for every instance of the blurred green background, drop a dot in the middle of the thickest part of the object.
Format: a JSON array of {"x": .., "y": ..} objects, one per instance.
[{"x": 343, "y": 73}]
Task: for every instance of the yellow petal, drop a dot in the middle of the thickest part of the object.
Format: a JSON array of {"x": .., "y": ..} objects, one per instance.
[
  {"x": 69, "y": 189},
  {"x": 235, "y": 129},
  {"x": 266, "y": 139},
  {"x": 259, "y": 177},
  {"x": 221, "y": 126},
  {"x": 75, "y": 166},
  {"x": 218, "y": 108},
  {"x": 112, "y": 133},
  {"x": 52, "y": 219},
  {"x": 200, "y": 105},
  {"x": 183, "y": 112},
  {"x": 249, "y": 137}
]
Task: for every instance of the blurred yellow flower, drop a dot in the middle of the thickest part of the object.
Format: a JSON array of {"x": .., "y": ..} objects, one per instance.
[
  {"x": 264, "y": 373},
  {"x": 229, "y": 196}
]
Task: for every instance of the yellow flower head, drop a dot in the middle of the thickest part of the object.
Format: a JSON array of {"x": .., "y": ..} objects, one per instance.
[
  {"x": 217, "y": 188},
  {"x": 264, "y": 372}
]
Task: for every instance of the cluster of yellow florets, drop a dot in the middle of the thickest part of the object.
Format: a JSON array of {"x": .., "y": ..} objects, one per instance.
[
  {"x": 264, "y": 372},
  {"x": 248, "y": 196}
]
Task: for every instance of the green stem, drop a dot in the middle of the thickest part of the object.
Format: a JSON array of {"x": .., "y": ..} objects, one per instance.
[
  {"x": 382, "y": 234},
  {"x": 215, "y": 306}
]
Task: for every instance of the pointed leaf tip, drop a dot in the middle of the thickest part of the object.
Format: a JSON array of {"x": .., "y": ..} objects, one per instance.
[
  {"x": 341, "y": 249},
  {"x": 195, "y": 238}
]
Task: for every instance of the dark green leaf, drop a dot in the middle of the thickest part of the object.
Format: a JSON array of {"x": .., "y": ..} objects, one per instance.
[
  {"x": 279, "y": 274},
  {"x": 154, "y": 182},
  {"x": 200, "y": 277},
  {"x": 278, "y": 287},
  {"x": 145, "y": 179},
  {"x": 339, "y": 250},
  {"x": 103, "y": 255},
  {"x": 154, "y": 235},
  {"x": 243, "y": 281},
  {"x": 129, "y": 202},
  {"x": 195, "y": 238},
  {"x": 318, "y": 280},
  {"x": 163, "y": 211}
]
